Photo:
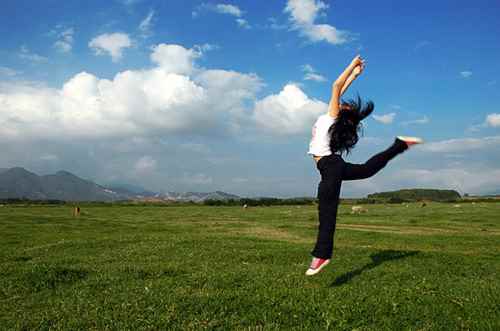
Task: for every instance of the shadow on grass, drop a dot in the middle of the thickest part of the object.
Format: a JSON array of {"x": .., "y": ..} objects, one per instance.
[
  {"x": 377, "y": 259},
  {"x": 42, "y": 277}
]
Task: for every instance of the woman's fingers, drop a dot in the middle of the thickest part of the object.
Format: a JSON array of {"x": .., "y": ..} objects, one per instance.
[{"x": 357, "y": 59}]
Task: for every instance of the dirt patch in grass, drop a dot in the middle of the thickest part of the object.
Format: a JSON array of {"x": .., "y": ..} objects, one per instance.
[
  {"x": 410, "y": 230},
  {"x": 281, "y": 233},
  {"x": 268, "y": 233},
  {"x": 395, "y": 229},
  {"x": 222, "y": 222},
  {"x": 60, "y": 242}
]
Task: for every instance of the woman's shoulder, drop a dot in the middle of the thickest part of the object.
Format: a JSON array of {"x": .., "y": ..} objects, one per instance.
[{"x": 325, "y": 118}]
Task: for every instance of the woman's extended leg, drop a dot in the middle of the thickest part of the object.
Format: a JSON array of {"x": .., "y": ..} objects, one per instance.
[
  {"x": 333, "y": 170},
  {"x": 374, "y": 164}
]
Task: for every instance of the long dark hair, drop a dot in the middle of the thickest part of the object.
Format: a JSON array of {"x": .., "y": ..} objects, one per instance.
[{"x": 344, "y": 131}]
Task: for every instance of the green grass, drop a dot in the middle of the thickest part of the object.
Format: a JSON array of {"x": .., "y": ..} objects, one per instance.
[{"x": 198, "y": 267}]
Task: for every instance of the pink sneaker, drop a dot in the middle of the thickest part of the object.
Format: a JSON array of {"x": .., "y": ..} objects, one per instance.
[
  {"x": 410, "y": 140},
  {"x": 316, "y": 265}
]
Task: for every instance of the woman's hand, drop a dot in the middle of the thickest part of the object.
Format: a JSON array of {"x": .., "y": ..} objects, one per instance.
[
  {"x": 357, "y": 61},
  {"x": 359, "y": 69}
]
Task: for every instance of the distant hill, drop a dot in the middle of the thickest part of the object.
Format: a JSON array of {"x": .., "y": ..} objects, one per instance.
[
  {"x": 417, "y": 194},
  {"x": 19, "y": 183}
]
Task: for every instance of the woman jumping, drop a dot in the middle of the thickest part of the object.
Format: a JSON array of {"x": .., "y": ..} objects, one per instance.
[{"x": 335, "y": 133}]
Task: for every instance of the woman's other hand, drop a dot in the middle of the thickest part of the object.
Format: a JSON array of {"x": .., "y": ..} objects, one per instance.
[
  {"x": 359, "y": 68},
  {"x": 357, "y": 61}
]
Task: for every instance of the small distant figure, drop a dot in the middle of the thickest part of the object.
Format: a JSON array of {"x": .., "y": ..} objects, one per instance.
[
  {"x": 358, "y": 210},
  {"x": 423, "y": 205},
  {"x": 245, "y": 206},
  {"x": 76, "y": 211}
]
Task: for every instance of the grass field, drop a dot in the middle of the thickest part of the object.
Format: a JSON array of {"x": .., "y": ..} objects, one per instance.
[{"x": 196, "y": 267}]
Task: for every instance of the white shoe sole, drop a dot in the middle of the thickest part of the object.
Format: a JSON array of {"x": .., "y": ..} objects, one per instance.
[
  {"x": 414, "y": 140},
  {"x": 311, "y": 272}
]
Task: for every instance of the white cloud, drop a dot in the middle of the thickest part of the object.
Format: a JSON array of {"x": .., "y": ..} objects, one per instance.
[
  {"x": 304, "y": 11},
  {"x": 325, "y": 32},
  {"x": 464, "y": 180},
  {"x": 197, "y": 179},
  {"x": 314, "y": 77},
  {"x": 129, "y": 2},
  {"x": 228, "y": 9},
  {"x": 422, "y": 44},
  {"x": 275, "y": 25},
  {"x": 303, "y": 14},
  {"x": 62, "y": 46},
  {"x": 220, "y": 8},
  {"x": 385, "y": 119},
  {"x": 169, "y": 98},
  {"x": 112, "y": 44},
  {"x": 146, "y": 25},
  {"x": 195, "y": 148},
  {"x": 289, "y": 112},
  {"x": 229, "y": 90},
  {"x": 8, "y": 72},
  {"x": 49, "y": 157},
  {"x": 473, "y": 168},
  {"x": 466, "y": 74},
  {"x": 26, "y": 54},
  {"x": 174, "y": 58},
  {"x": 423, "y": 120},
  {"x": 376, "y": 141},
  {"x": 308, "y": 68},
  {"x": 493, "y": 120},
  {"x": 461, "y": 145},
  {"x": 469, "y": 165},
  {"x": 225, "y": 9},
  {"x": 145, "y": 164},
  {"x": 205, "y": 48},
  {"x": 65, "y": 42},
  {"x": 238, "y": 85},
  {"x": 311, "y": 74},
  {"x": 243, "y": 23}
]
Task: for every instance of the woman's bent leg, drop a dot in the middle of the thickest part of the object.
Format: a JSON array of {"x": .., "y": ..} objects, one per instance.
[{"x": 374, "y": 164}]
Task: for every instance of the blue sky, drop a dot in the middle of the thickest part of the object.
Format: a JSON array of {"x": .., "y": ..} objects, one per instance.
[{"x": 216, "y": 95}]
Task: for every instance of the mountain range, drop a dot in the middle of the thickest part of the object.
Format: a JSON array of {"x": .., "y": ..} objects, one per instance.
[{"x": 19, "y": 183}]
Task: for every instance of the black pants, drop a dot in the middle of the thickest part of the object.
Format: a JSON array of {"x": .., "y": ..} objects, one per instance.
[{"x": 333, "y": 171}]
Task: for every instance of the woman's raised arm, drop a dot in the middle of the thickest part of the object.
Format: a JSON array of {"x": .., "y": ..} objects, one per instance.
[{"x": 342, "y": 83}]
